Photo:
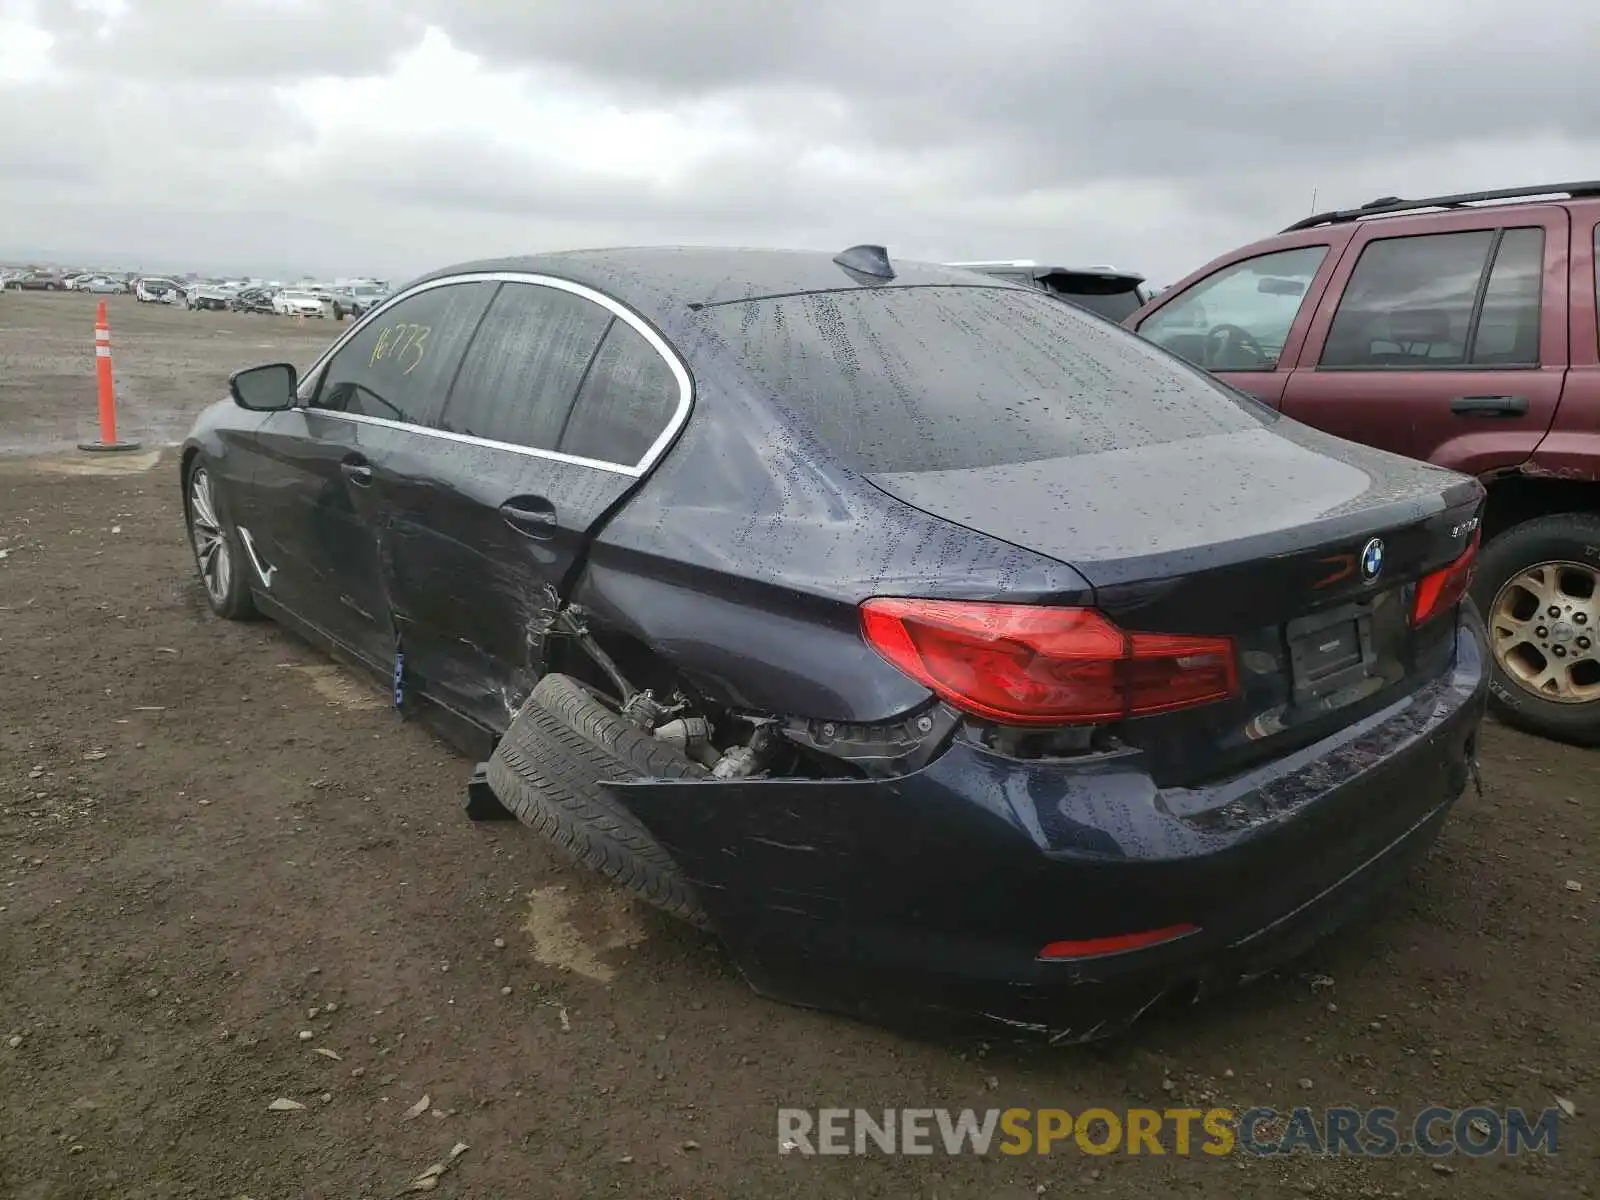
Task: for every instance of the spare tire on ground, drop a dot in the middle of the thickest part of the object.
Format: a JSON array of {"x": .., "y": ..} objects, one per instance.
[{"x": 548, "y": 770}]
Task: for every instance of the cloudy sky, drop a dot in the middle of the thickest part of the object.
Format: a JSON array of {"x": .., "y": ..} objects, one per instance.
[{"x": 391, "y": 136}]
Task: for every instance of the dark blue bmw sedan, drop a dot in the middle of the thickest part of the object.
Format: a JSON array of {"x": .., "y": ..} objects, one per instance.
[{"x": 953, "y": 654}]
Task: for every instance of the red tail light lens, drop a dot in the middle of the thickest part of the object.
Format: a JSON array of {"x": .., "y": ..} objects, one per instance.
[
  {"x": 1025, "y": 665},
  {"x": 1442, "y": 590}
]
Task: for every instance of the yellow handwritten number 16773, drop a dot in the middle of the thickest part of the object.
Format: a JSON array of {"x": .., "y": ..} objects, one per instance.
[{"x": 403, "y": 342}]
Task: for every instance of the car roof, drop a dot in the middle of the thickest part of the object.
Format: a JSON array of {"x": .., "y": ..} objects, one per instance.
[{"x": 667, "y": 282}]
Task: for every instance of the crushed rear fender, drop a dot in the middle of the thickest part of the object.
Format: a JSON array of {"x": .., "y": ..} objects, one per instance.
[{"x": 935, "y": 890}]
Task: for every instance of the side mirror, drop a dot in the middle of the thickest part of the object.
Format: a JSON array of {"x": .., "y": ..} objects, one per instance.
[{"x": 268, "y": 388}]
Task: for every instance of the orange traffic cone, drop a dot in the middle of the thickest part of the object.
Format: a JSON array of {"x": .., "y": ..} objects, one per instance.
[{"x": 108, "y": 396}]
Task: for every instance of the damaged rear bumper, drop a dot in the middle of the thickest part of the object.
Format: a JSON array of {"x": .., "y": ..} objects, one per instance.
[{"x": 927, "y": 898}]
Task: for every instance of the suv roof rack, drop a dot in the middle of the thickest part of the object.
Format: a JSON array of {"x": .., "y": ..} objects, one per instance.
[{"x": 1393, "y": 204}]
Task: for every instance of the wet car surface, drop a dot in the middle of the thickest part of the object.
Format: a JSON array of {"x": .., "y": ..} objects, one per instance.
[{"x": 959, "y": 649}]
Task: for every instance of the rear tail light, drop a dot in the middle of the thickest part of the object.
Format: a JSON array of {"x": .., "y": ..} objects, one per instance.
[
  {"x": 1025, "y": 665},
  {"x": 1442, "y": 590}
]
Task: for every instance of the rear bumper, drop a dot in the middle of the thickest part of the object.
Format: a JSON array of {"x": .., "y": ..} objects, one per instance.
[{"x": 927, "y": 898}]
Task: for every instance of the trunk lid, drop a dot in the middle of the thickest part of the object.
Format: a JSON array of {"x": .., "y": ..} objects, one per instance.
[{"x": 1259, "y": 535}]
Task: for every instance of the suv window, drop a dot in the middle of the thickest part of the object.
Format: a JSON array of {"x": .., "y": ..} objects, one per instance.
[
  {"x": 399, "y": 366},
  {"x": 627, "y": 400},
  {"x": 524, "y": 366},
  {"x": 945, "y": 378},
  {"x": 1414, "y": 302},
  {"x": 1239, "y": 318},
  {"x": 1507, "y": 329}
]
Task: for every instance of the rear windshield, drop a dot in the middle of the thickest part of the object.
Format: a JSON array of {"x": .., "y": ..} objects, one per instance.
[
  {"x": 1112, "y": 297},
  {"x": 946, "y": 378},
  {"x": 1113, "y": 307}
]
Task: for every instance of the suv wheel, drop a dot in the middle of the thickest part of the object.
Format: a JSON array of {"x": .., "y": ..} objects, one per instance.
[{"x": 1538, "y": 586}]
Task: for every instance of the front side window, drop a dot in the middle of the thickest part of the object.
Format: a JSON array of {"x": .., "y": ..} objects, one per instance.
[
  {"x": 524, "y": 367},
  {"x": 1424, "y": 302},
  {"x": 399, "y": 366},
  {"x": 1239, "y": 318}
]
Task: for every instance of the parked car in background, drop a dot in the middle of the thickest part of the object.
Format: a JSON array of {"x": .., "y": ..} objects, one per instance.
[
  {"x": 101, "y": 285},
  {"x": 251, "y": 300},
  {"x": 37, "y": 281},
  {"x": 1460, "y": 330},
  {"x": 357, "y": 299},
  {"x": 156, "y": 289},
  {"x": 810, "y": 596},
  {"x": 207, "y": 295},
  {"x": 1103, "y": 290},
  {"x": 292, "y": 302}
]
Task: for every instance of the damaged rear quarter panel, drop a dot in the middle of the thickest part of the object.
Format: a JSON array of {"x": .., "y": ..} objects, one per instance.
[
  {"x": 958, "y": 872},
  {"x": 743, "y": 557}
]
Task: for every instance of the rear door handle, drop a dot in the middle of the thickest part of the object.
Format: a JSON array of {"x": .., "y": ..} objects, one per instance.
[
  {"x": 1490, "y": 406},
  {"x": 531, "y": 515},
  {"x": 356, "y": 471}
]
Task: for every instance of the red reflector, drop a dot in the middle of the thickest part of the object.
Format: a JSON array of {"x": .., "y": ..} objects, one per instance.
[
  {"x": 1442, "y": 590},
  {"x": 1117, "y": 944},
  {"x": 1027, "y": 665}
]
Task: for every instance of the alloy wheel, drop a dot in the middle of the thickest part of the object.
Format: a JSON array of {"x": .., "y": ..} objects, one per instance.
[
  {"x": 1544, "y": 625},
  {"x": 210, "y": 541}
]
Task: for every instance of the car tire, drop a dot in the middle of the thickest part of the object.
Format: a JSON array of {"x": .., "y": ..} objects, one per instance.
[
  {"x": 226, "y": 586},
  {"x": 1565, "y": 537},
  {"x": 548, "y": 770}
]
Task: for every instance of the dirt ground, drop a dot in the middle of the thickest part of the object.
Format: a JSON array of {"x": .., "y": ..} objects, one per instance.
[{"x": 230, "y": 875}]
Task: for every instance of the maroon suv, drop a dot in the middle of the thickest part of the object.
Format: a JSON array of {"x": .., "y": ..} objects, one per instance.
[{"x": 1460, "y": 330}]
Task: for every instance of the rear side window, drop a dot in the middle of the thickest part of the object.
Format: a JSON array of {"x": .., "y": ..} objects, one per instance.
[
  {"x": 945, "y": 378},
  {"x": 524, "y": 367},
  {"x": 399, "y": 366},
  {"x": 1507, "y": 329},
  {"x": 626, "y": 402},
  {"x": 1443, "y": 300}
]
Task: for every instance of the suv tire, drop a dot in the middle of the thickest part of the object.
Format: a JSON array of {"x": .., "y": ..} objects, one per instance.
[{"x": 1565, "y": 537}]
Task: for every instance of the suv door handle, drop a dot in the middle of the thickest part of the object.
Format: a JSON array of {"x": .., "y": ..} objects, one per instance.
[
  {"x": 356, "y": 471},
  {"x": 1489, "y": 406},
  {"x": 533, "y": 516}
]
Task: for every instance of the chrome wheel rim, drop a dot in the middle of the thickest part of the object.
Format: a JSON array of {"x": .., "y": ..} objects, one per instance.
[
  {"x": 210, "y": 543},
  {"x": 1544, "y": 625}
]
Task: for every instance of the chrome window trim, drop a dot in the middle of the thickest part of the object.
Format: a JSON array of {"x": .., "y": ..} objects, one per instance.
[
  {"x": 490, "y": 443},
  {"x": 622, "y": 312}
]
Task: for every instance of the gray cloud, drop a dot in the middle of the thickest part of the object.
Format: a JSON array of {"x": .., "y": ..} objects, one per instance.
[
  {"x": 1151, "y": 134},
  {"x": 1067, "y": 91},
  {"x": 237, "y": 40}
]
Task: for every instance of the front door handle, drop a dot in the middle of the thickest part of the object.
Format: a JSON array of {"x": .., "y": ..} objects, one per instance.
[
  {"x": 1490, "y": 406},
  {"x": 356, "y": 471},
  {"x": 533, "y": 516}
]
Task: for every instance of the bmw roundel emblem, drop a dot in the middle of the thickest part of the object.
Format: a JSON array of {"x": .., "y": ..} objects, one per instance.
[{"x": 1372, "y": 559}]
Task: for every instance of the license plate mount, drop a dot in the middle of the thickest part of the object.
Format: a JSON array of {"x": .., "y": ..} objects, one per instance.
[{"x": 1331, "y": 651}]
